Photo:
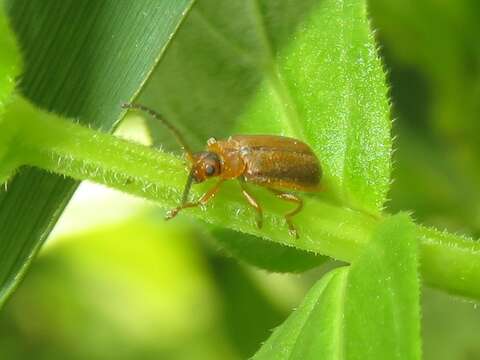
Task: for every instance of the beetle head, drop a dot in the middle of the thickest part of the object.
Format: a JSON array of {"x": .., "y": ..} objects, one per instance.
[{"x": 205, "y": 165}]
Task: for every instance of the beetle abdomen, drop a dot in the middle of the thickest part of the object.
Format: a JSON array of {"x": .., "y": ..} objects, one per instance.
[{"x": 287, "y": 167}]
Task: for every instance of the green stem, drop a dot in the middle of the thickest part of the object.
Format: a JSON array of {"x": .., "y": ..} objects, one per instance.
[
  {"x": 450, "y": 262},
  {"x": 49, "y": 142}
]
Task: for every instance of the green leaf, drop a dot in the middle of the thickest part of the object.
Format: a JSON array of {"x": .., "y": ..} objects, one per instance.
[
  {"x": 266, "y": 254},
  {"x": 382, "y": 301},
  {"x": 368, "y": 311},
  {"x": 10, "y": 61},
  {"x": 10, "y": 64},
  {"x": 314, "y": 330},
  {"x": 82, "y": 59},
  {"x": 305, "y": 69}
]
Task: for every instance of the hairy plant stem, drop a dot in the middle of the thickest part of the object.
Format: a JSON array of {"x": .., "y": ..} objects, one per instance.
[{"x": 50, "y": 142}]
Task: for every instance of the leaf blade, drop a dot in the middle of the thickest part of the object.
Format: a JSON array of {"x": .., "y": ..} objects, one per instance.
[
  {"x": 10, "y": 67},
  {"x": 383, "y": 295},
  {"x": 292, "y": 339},
  {"x": 349, "y": 314},
  {"x": 281, "y": 68},
  {"x": 266, "y": 254}
]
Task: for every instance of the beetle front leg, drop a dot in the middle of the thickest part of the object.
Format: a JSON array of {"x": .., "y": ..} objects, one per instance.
[
  {"x": 288, "y": 216},
  {"x": 251, "y": 200},
  {"x": 203, "y": 200}
]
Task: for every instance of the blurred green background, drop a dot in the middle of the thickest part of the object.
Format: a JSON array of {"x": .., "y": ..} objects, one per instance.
[{"x": 116, "y": 281}]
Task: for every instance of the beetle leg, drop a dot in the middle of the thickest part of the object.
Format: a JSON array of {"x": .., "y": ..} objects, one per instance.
[
  {"x": 203, "y": 200},
  {"x": 251, "y": 200},
  {"x": 288, "y": 216}
]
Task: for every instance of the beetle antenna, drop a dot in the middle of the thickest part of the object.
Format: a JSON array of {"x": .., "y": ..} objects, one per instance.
[
  {"x": 187, "y": 188},
  {"x": 174, "y": 130}
]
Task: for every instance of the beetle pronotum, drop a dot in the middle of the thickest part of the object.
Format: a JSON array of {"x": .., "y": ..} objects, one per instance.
[{"x": 276, "y": 162}]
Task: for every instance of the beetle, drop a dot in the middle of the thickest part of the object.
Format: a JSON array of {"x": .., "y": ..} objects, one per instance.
[{"x": 277, "y": 163}]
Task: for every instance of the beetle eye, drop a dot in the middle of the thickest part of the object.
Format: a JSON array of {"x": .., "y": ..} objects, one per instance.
[{"x": 209, "y": 170}]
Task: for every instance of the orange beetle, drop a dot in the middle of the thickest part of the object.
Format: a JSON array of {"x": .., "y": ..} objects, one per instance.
[{"x": 275, "y": 162}]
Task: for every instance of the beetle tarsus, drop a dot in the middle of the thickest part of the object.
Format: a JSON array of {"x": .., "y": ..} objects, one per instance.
[
  {"x": 171, "y": 213},
  {"x": 291, "y": 229},
  {"x": 288, "y": 217},
  {"x": 203, "y": 200}
]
